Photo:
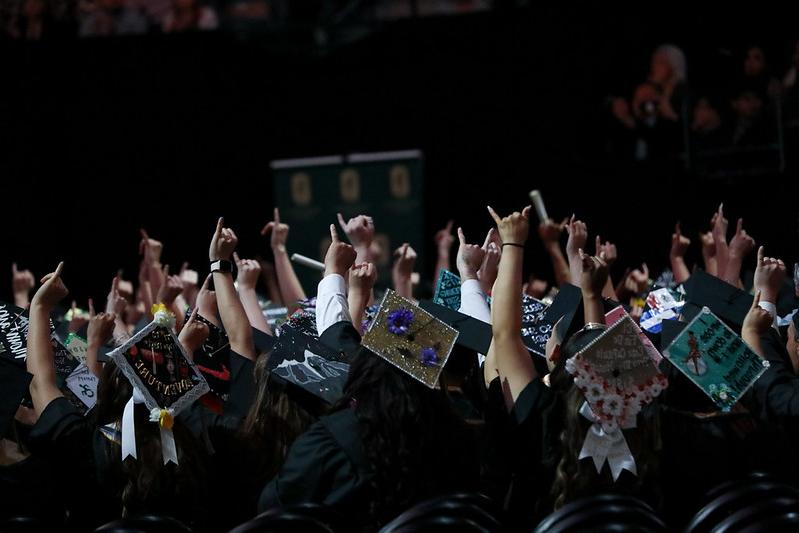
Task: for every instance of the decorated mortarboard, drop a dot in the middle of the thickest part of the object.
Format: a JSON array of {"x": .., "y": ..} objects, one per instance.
[
  {"x": 304, "y": 361},
  {"x": 726, "y": 301},
  {"x": 536, "y": 330},
  {"x": 83, "y": 385},
  {"x": 212, "y": 359},
  {"x": 13, "y": 333},
  {"x": 565, "y": 313},
  {"x": 472, "y": 333},
  {"x": 716, "y": 359},
  {"x": 163, "y": 378},
  {"x": 618, "y": 313},
  {"x": 410, "y": 338},
  {"x": 618, "y": 378},
  {"x": 14, "y": 382},
  {"x": 661, "y": 304},
  {"x": 369, "y": 315},
  {"x": 448, "y": 290}
]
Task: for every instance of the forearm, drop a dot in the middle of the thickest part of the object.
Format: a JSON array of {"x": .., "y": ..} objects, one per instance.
[
  {"x": 403, "y": 286},
  {"x": 711, "y": 265},
  {"x": 331, "y": 302},
  {"x": 679, "y": 269},
  {"x": 559, "y": 264},
  {"x": 21, "y": 299},
  {"x": 94, "y": 366},
  {"x": 732, "y": 272},
  {"x": 234, "y": 319},
  {"x": 363, "y": 254},
  {"x": 290, "y": 287},
  {"x": 722, "y": 256},
  {"x": 357, "y": 304},
  {"x": 575, "y": 268},
  {"x": 512, "y": 359},
  {"x": 249, "y": 300},
  {"x": 594, "y": 310},
  {"x": 39, "y": 360}
]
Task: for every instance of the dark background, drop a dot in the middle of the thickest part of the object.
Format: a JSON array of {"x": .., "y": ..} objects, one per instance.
[{"x": 103, "y": 136}]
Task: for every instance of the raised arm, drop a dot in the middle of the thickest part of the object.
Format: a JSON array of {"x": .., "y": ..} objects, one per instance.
[
  {"x": 592, "y": 281},
  {"x": 362, "y": 279},
  {"x": 290, "y": 288},
  {"x": 607, "y": 252},
  {"x": 492, "y": 249},
  {"x": 401, "y": 272},
  {"x": 443, "y": 239},
  {"x": 39, "y": 360},
  {"x": 550, "y": 233},
  {"x": 231, "y": 311},
  {"x": 115, "y": 305},
  {"x": 22, "y": 283},
  {"x": 360, "y": 231},
  {"x": 578, "y": 236},
  {"x": 513, "y": 362},
  {"x": 709, "y": 251},
  {"x": 679, "y": 245},
  {"x": 720, "y": 240},
  {"x": 740, "y": 246},
  {"x": 249, "y": 272},
  {"x": 331, "y": 297},
  {"x": 101, "y": 330}
]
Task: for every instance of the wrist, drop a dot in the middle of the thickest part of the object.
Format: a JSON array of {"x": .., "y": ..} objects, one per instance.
[
  {"x": 279, "y": 248},
  {"x": 467, "y": 274},
  {"x": 768, "y": 296}
]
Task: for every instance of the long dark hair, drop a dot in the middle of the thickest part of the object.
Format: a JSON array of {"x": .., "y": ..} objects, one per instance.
[
  {"x": 575, "y": 478},
  {"x": 273, "y": 423},
  {"x": 145, "y": 484},
  {"x": 415, "y": 443}
]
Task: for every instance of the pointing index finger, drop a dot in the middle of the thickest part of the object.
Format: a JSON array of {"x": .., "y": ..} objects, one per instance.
[{"x": 333, "y": 233}]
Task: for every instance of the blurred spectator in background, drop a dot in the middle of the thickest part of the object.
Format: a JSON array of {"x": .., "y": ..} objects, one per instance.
[
  {"x": 32, "y": 20},
  {"x": 657, "y": 107},
  {"x": 706, "y": 125},
  {"x": 188, "y": 15},
  {"x": 750, "y": 125},
  {"x": 756, "y": 76}
]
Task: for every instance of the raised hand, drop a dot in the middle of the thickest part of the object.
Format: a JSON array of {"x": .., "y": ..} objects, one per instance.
[
  {"x": 206, "y": 302},
  {"x": 171, "y": 289},
  {"x": 223, "y": 242},
  {"x": 550, "y": 231},
  {"x": 769, "y": 276},
  {"x": 193, "y": 334},
  {"x": 594, "y": 275},
  {"x": 708, "y": 244},
  {"x": 279, "y": 232},
  {"x": 22, "y": 283},
  {"x": 77, "y": 319},
  {"x": 101, "y": 329},
  {"x": 340, "y": 256},
  {"x": 637, "y": 281},
  {"x": 444, "y": 239},
  {"x": 114, "y": 302},
  {"x": 578, "y": 236},
  {"x": 362, "y": 278},
  {"x": 404, "y": 260},
  {"x": 52, "y": 290},
  {"x": 490, "y": 267},
  {"x": 514, "y": 228},
  {"x": 741, "y": 243},
  {"x": 150, "y": 248},
  {"x": 249, "y": 270},
  {"x": 757, "y": 320},
  {"x": 679, "y": 243},
  {"x": 607, "y": 252},
  {"x": 359, "y": 230},
  {"x": 720, "y": 239},
  {"x": 469, "y": 258}
]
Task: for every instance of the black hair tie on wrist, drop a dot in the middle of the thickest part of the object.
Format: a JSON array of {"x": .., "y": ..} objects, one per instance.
[{"x": 512, "y": 244}]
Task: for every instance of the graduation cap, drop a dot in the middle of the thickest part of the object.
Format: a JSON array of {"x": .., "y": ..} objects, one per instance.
[
  {"x": 567, "y": 307},
  {"x": 728, "y": 302},
  {"x": 472, "y": 333},
  {"x": 13, "y": 333},
  {"x": 448, "y": 290},
  {"x": 163, "y": 378},
  {"x": 715, "y": 359},
  {"x": 14, "y": 382},
  {"x": 304, "y": 361},
  {"x": 410, "y": 338},
  {"x": 618, "y": 378}
]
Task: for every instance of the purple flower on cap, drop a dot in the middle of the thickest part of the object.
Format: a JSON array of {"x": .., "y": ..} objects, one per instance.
[
  {"x": 429, "y": 356},
  {"x": 399, "y": 321}
]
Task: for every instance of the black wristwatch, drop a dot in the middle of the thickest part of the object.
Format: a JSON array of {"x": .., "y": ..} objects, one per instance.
[{"x": 221, "y": 265}]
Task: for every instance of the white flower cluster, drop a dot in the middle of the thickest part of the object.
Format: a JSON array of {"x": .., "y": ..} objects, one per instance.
[
  {"x": 165, "y": 319},
  {"x": 610, "y": 404}
]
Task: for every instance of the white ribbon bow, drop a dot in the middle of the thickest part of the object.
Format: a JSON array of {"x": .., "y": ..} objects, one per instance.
[
  {"x": 168, "y": 447},
  {"x": 603, "y": 443}
]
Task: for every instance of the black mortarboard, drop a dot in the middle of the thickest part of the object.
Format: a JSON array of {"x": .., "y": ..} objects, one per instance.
[
  {"x": 728, "y": 302},
  {"x": 473, "y": 333},
  {"x": 13, "y": 333},
  {"x": 303, "y": 361},
  {"x": 14, "y": 382},
  {"x": 568, "y": 305}
]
